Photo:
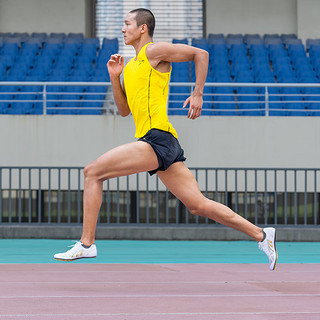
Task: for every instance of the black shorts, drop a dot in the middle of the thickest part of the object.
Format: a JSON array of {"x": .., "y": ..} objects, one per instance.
[{"x": 166, "y": 147}]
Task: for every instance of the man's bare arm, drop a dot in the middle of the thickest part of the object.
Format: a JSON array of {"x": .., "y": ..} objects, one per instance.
[
  {"x": 115, "y": 66},
  {"x": 167, "y": 52}
]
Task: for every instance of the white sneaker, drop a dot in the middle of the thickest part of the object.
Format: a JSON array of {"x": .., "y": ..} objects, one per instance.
[
  {"x": 78, "y": 251},
  {"x": 269, "y": 247}
]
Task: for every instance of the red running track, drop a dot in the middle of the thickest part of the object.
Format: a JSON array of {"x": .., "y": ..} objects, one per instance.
[{"x": 158, "y": 292}]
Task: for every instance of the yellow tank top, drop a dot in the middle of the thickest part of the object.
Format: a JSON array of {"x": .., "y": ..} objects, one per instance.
[{"x": 147, "y": 95}]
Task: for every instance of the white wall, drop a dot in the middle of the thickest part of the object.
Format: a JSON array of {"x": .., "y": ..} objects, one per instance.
[
  {"x": 42, "y": 16},
  {"x": 207, "y": 141},
  {"x": 308, "y": 19},
  {"x": 225, "y": 16},
  {"x": 251, "y": 16}
]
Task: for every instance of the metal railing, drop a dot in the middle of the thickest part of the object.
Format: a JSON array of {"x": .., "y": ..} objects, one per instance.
[
  {"x": 264, "y": 196},
  {"x": 252, "y": 99},
  {"x": 262, "y": 99},
  {"x": 56, "y": 98}
]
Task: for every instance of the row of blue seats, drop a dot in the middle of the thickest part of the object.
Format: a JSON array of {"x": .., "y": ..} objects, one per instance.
[
  {"x": 259, "y": 63},
  {"x": 250, "y": 39},
  {"x": 56, "y": 62},
  {"x": 53, "y": 55},
  {"x": 43, "y": 35},
  {"x": 233, "y": 100},
  {"x": 37, "y": 108},
  {"x": 65, "y": 61},
  {"x": 55, "y": 104},
  {"x": 14, "y": 45},
  {"x": 55, "y": 58},
  {"x": 60, "y": 99},
  {"x": 232, "y": 107},
  {"x": 89, "y": 48}
]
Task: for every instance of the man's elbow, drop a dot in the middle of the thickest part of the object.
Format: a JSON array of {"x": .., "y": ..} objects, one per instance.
[
  {"x": 205, "y": 54},
  {"x": 124, "y": 113},
  {"x": 202, "y": 55}
]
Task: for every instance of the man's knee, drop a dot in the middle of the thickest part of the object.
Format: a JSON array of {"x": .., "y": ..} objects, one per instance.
[
  {"x": 87, "y": 170},
  {"x": 198, "y": 208},
  {"x": 90, "y": 172}
]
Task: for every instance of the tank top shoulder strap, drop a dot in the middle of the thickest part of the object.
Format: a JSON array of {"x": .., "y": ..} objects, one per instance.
[{"x": 142, "y": 52}]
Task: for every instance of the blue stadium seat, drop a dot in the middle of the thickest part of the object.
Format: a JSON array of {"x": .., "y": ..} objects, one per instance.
[
  {"x": 16, "y": 107},
  {"x": 70, "y": 48},
  {"x": 51, "y": 40},
  {"x": 6, "y": 95},
  {"x": 97, "y": 94},
  {"x": 257, "y": 48},
  {"x": 312, "y": 97},
  {"x": 224, "y": 101},
  {"x": 276, "y": 107},
  {"x": 58, "y": 35},
  {"x": 237, "y": 50},
  {"x": 8, "y": 60},
  {"x": 9, "y": 49},
  {"x": 110, "y": 45},
  {"x": 13, "y": 40},
  {"x": 51, "y": 49},
  {"x": 182, "y": 41},
  {"x": 37, "y": 41},
  {"x": 29, "y": 49},
  {"x": 3, "y": 69},
  {"x": 240, "y": 66},
  {"x": 36, "y": 90},
  {"x": 310, "y": 42},
  {"x": 213, "y": 37},
  {"x": 22, "y": 35},
  {"x": 292, "y": 101},
  {"x": 200, "y": 43},
  {"x": 76, "y": 35},
  {"x": 292, "y": 41},
  {"x": 234, "y": 39},
  {"x": 219, "y": 49},
  {"x": 4, "y": 106},
  {"x": 40, "y": 35},
  {"x": 314, "y": 51}
]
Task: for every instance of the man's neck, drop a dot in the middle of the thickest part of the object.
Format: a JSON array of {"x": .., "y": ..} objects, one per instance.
[{"x": 141, "y": 43}]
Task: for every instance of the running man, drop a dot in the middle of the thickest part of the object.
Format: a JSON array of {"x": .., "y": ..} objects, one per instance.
[{"x": 144, "y": 94}]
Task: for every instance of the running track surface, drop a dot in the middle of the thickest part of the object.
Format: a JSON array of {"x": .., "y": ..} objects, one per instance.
[{"x": 136, "y": 281}]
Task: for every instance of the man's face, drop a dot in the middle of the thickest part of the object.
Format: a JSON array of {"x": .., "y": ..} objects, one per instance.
[{"x": 130, "y": 30}]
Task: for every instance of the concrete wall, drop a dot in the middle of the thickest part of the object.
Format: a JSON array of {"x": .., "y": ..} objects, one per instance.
[
  {"x": 251, "y": 16},
  {"x": 207, "y": 141},
  {"x": 42, "y": 16},
  {"x": 308, "y": 19},
  {"x": 260, "y": 16},
  {"x": 203, "y": 233},
  {"x": 225, "y": 16}
]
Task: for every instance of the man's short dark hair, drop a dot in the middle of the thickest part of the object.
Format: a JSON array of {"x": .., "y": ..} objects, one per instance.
[{"x": 145, "y": 16}]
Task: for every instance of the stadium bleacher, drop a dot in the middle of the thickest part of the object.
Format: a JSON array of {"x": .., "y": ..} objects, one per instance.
[
  {"x": 250, "y": 58},
  {"x": 55, "y": 57},
  {"x": 234, "y": 58}
]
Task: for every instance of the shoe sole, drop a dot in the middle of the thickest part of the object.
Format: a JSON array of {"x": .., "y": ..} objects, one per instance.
[
  {"x": 275, "y": 248},
  {"x": 69, "y": 260}
]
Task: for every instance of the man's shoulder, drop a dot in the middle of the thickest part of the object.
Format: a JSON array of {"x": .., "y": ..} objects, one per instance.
[{"x": 153, "y": 47}]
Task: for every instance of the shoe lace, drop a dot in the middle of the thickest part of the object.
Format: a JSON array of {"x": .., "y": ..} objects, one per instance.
[
  {"x": 73, "y": 245},
  {"x": 262, "y": 246}
]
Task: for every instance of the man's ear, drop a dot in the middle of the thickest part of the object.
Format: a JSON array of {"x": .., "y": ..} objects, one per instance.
[{"x": 143, "y": 28}]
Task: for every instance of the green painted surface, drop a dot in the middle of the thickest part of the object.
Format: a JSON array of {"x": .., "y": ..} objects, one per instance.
[{"x": 124, "y": 251}]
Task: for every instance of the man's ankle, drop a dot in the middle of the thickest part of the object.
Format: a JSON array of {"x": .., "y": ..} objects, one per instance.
[{"x": 86, "y": 243}]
